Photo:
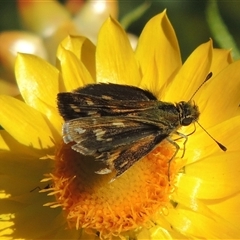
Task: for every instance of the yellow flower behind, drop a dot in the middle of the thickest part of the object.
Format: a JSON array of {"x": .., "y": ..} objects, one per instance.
[{"x": 202, "y": 197}]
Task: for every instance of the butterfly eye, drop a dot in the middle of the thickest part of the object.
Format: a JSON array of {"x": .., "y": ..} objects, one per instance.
[{"x": 187, "y": 121}]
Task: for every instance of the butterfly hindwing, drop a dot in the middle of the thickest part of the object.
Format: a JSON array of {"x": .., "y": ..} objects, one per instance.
[
  {"x": 123, "y": 158},
  {"x": 105, "y": 133},
  {"x": 119, "y": 143}
]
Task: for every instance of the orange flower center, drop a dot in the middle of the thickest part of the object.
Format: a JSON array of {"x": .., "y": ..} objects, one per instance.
[{"x": 95, "y": 204}]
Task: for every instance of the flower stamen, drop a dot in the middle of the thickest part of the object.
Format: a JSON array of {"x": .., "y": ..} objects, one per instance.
[{"x": 95, "y": 204}]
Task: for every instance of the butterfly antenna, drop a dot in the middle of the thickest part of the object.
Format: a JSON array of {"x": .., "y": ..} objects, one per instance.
[
  {"x": 206, "y": 79},
  {"x": 218, "y": 143}
]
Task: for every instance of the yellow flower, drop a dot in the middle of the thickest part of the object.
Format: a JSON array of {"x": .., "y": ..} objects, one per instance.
[{"x": 202, "y": 197}]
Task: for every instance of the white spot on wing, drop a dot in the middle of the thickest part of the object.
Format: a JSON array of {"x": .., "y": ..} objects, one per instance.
[
  {"x": 106, "y": 97},
  {"x": 99, "y": 133},
  {"x": 75, "y": 108},
  {"x": 89, "y": 102},
  {"x": 120, "y": 124},
  {"x": 80, "y": 130},
  {"x": 103, "y": 171},
  {"x": 90, "y": 113}
]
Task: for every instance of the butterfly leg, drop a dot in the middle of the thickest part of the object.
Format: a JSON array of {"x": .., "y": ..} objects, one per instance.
[
  {"x": 173, "y": 156},
  {"x": 184, "y": 143},
  {"x": 177, "y": 149}
]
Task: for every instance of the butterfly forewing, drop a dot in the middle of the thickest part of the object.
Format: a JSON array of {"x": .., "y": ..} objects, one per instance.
[
  {"x": 116, "y": 92},
  {"x": 100, "y": 100}
]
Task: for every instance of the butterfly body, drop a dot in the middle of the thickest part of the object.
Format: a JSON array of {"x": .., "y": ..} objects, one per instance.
[{"x": 119, "y": 124}]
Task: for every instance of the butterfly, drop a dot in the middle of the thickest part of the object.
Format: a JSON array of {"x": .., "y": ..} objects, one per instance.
[{"x": 120, "y": 124}]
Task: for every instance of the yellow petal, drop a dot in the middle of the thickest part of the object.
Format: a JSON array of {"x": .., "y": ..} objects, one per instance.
[
  {"x": 213, "y": 177},
  {"x": 158, "y": 232},
  {"x": 115, "y": 61},
  {"x": 27, "y": 168},
  {"x": 3, "y": 142},
  {"x": 221, "y": 59},
  {"x": 7, "y": 143},
  {"x": 74, "y": 73},
  {"x": 83, "y": 49},
  {"x": 185, "y": 201},
  {"x": 191, "y": 75},
  {"x": 195, "y": 225},
  {"x": 158, "y": 53},
  {"x": 199, "y": 145},
  {"x": 37, "y": 81},
  {"x": 221, "y": 97},
  {"x": 25, "y": 124},
  {"x": 34, "y": 215},
  {"x": 227, "y": 208}
]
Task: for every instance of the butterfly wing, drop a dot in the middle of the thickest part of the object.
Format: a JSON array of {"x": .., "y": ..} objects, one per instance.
[
  {"x": 118, "y": 142},
  {"x": 113, "y": 91},
  {"x": 104, "y": 100},
  {"x": 112, "y": 123},
  {"x": 123, "y": 158}
]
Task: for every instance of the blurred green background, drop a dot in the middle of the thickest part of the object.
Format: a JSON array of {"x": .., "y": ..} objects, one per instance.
[{"x": 187, "y": 17}]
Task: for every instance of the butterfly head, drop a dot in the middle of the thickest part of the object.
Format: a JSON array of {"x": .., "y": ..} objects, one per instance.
[{"x": 188, "y": 113}]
